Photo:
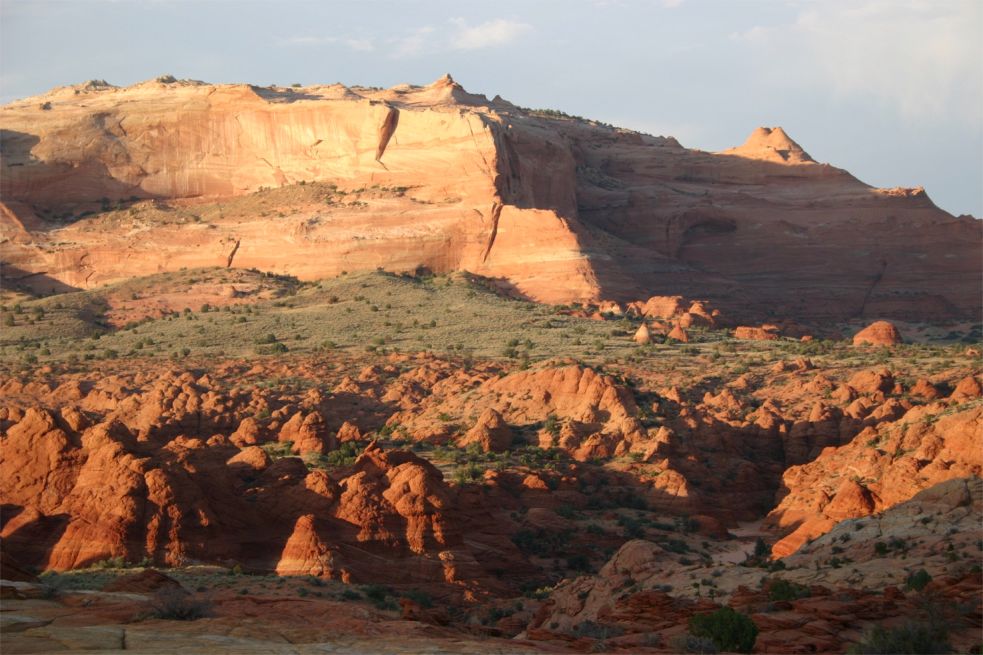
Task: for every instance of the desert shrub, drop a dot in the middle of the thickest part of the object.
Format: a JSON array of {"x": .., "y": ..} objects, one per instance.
[
  {"x": 380, "y": 597},
  {"x": 178, "y": 605},
  {"x": 344, "y": 455},
  {"x": 918, "y": 580},
  {"x": 52, "y": 586},
  {"x": 596, "y": 630},
  {"x": 912, "y": 638},
  {"x": 779, "y": 589},
  {"x": 272, "y": 349},
  {"x": 730, "y": 630},
  {"x": 541, "y": 542},
  {"x": 421, "y": 598},
  {"x": 470, "y": 472},
  {"x": 109, "y": 563}
]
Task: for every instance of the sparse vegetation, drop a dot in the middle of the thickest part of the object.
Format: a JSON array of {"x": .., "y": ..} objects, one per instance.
[
  {"x": 178, "y": 605},
  {"x": 728, "y": 629},
  {"x": 917, "y": 638}
]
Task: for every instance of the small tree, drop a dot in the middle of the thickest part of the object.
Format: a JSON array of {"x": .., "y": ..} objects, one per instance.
[{"x": 729, "y": 630}]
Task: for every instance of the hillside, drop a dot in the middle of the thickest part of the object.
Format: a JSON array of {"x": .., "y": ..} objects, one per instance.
[{"x": 101, "y": 184}]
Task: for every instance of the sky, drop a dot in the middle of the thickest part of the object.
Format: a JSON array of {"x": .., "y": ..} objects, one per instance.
[{"x": 891, "y": 90}]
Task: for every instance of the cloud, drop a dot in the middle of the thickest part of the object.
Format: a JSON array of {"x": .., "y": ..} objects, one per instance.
[
  {"x": 413, "y": 43},
  {"x": 921, "y": 59},
  {"x": 485, "y": 35},
  {"x": 359, "y": 45}
]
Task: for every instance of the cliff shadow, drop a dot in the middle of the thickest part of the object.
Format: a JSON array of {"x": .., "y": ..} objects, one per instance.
[{"x": 38, "y": 283}]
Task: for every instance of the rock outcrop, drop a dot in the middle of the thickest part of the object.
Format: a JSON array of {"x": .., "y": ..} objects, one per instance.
[
  {"x": 881, "y": 467},
  {"x": 880, "y": 333},
  {"x": 554, "y": 208},
  {"x": 491, "y": 433}
]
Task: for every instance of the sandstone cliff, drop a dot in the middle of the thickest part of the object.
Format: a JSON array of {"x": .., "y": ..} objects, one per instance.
[{"x": 557, "y": 208}]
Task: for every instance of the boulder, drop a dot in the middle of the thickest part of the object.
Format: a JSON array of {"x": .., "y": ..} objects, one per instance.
[{"x": 879, "y": 333}]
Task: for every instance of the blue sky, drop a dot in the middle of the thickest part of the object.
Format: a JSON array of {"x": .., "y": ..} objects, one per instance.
[{"x": 891, "y": 90}]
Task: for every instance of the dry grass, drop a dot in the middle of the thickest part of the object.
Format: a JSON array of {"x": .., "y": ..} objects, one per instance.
[{"x": 381, "y": 312}]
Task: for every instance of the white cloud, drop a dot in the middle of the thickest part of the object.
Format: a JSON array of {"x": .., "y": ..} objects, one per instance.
[
  {"x": 359, "y": 45},
  {"x": 922, "y": 59},
  {"x": 485, "y": 35},
  {"x": 413, "y": 43},
  {"x": 671, "y": 4}
]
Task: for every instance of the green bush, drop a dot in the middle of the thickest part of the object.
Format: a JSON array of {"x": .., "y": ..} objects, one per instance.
[
  {"x": 912, "y": 638},
  {"x": 779, "y": 590},
  {"x": 421, "y": 598},
  {"x": 380, "y": 597},
  {"x": 345, "y": 455},
  {"x": 918, "y": 580},
  {"x": 729, "y": 630}
]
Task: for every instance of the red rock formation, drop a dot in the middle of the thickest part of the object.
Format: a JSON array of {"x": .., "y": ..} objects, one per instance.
[
  {"x": 925, "y": 390},
  {"x": 308, "y": 434},
  {"x": 677, "y": 333},
  {"x": 661, "y": 306},
  {"x": 879, "y": 333},
  {"x": 879, "y": 468},
  {"x": 967, "y": 389},
  {"x": 481, "y": 173},
  {"x": 872, "y": 382},
  {"x": 305, "y": 552},
  {"x": 491, "y": 432},
  {"x": 755, "y": 333}
]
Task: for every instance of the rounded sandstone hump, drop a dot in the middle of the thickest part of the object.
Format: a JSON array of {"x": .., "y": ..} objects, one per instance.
[
  {"x": 143, "y": 582},
  {"x": 880, "y": 333},
  {"x": 490, "y": 432},
  {"x": 771, "y": 144},
  {"x": 643, "y": 336}
]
